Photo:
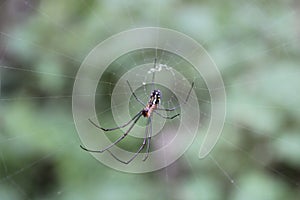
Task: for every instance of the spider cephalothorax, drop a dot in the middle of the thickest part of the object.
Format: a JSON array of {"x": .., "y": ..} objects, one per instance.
[{"x": 155, "y": 97}]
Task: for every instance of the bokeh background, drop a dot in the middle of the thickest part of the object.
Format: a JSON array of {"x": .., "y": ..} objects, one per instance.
[{"x": 255, "y": 44}]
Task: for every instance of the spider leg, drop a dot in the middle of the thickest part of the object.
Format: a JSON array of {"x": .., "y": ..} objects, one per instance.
[
  {"x": 168, "y": 109},
  {"x": 132, "y": 158},
  {"x": 117, "y": 141},
  {"x": 188, "y": 96},
  {"x": 140, "y": 101},
  {"x": 186, "y": 99},
  {"x": 166, "y": 117},
  {"x": 149, "y": 127},
  {"x": 122, "y": 126},
  {"x": 139, "y": 150}
]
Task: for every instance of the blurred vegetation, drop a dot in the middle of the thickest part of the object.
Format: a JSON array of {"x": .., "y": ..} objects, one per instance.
[{"x": 256, "y": 47}]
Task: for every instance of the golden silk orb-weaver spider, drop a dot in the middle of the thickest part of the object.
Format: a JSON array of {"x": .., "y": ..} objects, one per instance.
[{"x": 148, "y": 109}]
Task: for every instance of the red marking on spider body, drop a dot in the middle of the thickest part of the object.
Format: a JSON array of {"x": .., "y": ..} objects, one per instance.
[{"x": 148, "y": 110}]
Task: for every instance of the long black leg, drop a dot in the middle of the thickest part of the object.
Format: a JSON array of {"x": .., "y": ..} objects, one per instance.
[
  {"x": 117, "y": 141},
  {"x": 140, "y": 101},
  {"x": 149, "y": 138},
  {"x": 111, "y": 129},
  {"x": 139, "y": 150},
  {"x": 166, "y": 117},
  {"x": 186, "y": 99}
]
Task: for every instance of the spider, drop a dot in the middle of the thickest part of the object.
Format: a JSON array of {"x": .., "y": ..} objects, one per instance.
[{"x": 151, "y": 107}]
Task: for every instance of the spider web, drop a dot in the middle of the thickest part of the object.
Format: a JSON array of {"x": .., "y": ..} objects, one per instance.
[
  {"x": 143, "y": 81},
  {"x": 29, "y": 147}
]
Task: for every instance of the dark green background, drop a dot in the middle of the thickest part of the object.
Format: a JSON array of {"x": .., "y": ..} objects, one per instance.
[{"x": 254, "y": 43}]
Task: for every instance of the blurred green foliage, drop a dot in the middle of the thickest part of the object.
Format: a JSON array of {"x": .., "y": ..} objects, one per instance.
[{"x": 256, "y": 47}]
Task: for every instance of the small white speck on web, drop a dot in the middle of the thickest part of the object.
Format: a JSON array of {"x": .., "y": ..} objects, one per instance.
[
  {"x": 144, "y": 83},
  {"x": 223, "y": 171}
]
